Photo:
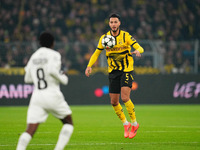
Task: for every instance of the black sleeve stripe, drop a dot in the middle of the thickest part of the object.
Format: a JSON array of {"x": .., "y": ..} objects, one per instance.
[
  {"x": 133, "y": 43},
  {"x": 127, "y": 63},
  {"x": 124, "y": 37},
  {"x": 100, "y": 48}
]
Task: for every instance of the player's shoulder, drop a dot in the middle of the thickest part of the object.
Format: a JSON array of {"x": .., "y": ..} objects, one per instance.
[
  {"x": 124, "y": 32},
  {"x": 54, "y": 52},
  {"x": 107, "y": 33},
  {"x": 127, "y": 35},
  {"x": 48, "y": 51}
]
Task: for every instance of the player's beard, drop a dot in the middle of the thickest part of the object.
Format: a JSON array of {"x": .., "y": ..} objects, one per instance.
[{"x": 115, "y": 30}]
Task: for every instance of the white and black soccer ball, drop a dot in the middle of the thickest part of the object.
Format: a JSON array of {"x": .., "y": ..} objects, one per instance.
[{"x": 108, "y": 41}]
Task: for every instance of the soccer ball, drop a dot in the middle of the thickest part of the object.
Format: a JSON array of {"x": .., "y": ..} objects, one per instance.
[{"x": 108, "y": 41}]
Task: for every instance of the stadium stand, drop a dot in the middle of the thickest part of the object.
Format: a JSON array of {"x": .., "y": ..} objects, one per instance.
[{"x": 78, "y": 24}]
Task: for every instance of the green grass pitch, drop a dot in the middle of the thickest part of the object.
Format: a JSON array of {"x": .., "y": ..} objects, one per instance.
[{"x": 162, "y": 127}]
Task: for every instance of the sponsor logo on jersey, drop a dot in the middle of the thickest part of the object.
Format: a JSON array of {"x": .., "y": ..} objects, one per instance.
[{"x": 118, "y": 48}]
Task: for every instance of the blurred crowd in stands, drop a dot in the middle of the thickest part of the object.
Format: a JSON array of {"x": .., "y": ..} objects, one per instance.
[{"x": 78, "y": 24}]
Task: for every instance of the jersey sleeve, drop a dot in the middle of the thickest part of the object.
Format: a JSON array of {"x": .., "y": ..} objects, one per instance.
[
  {"x": 97, "y": 52},
  {"x": 137, "y": 47},
  {"x": 54, "y": 69},
  {"x": 100, "y": 46},
  {"x": 131, "y": 41},
  {"x": 28, "y": 77},
  {"x": 94, "y": 57}
]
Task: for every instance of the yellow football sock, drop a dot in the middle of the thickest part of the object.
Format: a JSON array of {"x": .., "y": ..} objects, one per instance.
[
  {"x": 119, "y": 111},
  {"x": 131, "y": 110}
]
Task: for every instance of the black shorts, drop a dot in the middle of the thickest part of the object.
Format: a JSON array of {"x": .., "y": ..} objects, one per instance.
[{"x": 118, "y": 79}]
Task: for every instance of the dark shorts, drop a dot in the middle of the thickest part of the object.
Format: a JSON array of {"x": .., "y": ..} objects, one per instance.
[{"x": 118, "y": 79}]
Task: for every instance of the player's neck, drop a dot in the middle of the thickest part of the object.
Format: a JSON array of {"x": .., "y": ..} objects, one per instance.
[{"x": 115, "y": 33}]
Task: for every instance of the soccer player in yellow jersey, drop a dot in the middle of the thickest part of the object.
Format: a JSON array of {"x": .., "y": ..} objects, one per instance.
[{"x": 120, "y": 68}]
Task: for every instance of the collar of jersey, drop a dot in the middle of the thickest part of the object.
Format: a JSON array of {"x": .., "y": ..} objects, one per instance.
[{"x": 116, "y": 35}]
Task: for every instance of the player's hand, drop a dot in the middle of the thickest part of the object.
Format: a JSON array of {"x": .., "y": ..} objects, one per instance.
[
  {"x": 88, "y": 71},
  {"x": 137, "y": 53}
]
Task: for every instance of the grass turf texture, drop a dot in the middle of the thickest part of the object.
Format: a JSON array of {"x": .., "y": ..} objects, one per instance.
[{"x": 162, "y": 127}]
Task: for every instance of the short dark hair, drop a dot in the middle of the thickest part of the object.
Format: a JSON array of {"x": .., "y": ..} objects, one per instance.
[
  {"x": 46, "y": 39},
  {"x": 114, "y": 15}
]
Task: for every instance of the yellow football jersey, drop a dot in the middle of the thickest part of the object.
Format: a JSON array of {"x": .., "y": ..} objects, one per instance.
[{"x": 119, "y": 57}]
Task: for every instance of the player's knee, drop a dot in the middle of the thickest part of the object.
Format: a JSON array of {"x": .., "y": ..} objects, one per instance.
[
  {"x": 114, "y": 100},
  {"x": 67, "y": 120},
  {"x": 125, "y": 98},
  {"x": 114, "y": 103}
]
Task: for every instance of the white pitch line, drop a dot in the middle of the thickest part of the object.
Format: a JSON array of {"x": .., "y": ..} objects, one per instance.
[
  {"x": 90, "y": 144},
  {"x": 139, "y": 131},
  {"x": 174, "y": 126},
  {"x": 137, "y": 143},
  {"x": 171, "y": 131},
  {"x": 5, "y": 133}
]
